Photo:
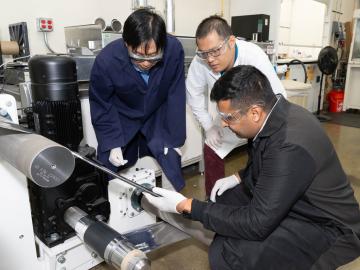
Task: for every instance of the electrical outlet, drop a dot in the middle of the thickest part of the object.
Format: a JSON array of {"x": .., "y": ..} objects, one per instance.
[{"x": 44, "y": 24}]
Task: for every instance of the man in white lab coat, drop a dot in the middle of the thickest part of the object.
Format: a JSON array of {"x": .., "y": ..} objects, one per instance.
[{"x": 218, "y": 51}]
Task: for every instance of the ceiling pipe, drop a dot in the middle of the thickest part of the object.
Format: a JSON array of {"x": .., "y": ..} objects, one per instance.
[{"x": 170, "y": 15}]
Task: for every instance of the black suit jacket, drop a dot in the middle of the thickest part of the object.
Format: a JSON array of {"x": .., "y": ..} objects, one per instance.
[{"x": 292, "y": 171}]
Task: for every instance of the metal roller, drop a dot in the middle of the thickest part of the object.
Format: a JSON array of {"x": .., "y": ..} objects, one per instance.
[
  {"x": 106, "y": 242},
  {"x": 43, "y": 161},
  {"x": 56, "y": 157}
]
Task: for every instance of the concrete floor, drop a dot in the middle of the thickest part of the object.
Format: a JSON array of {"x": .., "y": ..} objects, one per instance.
[{"x": 192, "y": 255}]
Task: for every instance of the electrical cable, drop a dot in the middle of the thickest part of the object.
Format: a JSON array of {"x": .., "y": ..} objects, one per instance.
[
  {"x": 47, "y": 43},
  {"x": 297, "y": 61}
]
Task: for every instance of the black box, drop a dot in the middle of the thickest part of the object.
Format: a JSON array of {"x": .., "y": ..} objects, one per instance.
[{"x": 246, "y": 26}]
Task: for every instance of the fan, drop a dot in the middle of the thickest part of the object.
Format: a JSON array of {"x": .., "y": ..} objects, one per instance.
[
  {"x": 327, "y": 62},
  {"x": 19, "y": 33}
]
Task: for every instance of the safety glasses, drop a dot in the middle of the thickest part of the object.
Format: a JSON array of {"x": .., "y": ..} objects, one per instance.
[
  {"x": 141, "y": 58},
  {"x": 231, "y": 118},
  {"x": 219, "y": 50}
]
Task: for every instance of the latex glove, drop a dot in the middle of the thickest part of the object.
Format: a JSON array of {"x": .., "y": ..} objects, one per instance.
[
  {"x": 116, "y": 157},
  {"x": 168, "y": 202},
  {"x": 177, "y": 150},
  {"x": 222, "y": 185},
  {"x": 214, "y": 136}
]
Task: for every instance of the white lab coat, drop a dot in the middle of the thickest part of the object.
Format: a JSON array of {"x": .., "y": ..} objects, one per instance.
[{"x": 200, "y": 80}]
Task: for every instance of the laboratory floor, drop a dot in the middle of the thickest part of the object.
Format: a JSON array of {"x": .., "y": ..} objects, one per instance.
[{"x": 192, "y": 255}]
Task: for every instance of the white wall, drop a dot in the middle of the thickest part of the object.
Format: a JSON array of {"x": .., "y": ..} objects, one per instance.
[
  {"x": 76, "y": 12},
  {"x": 189, "y": 13},
  {"x": 64, "y": 13},
  {"x": 272, "y": 8},
  {"x": 346, "y": 7},
  {"x": 307, "y": 30}
]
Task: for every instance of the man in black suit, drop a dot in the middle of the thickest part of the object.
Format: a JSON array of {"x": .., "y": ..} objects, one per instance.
[{"x": 292, "y": 207}]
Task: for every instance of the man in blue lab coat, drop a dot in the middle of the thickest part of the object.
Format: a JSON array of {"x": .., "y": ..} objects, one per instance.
[{"x": 137, "y": 97}]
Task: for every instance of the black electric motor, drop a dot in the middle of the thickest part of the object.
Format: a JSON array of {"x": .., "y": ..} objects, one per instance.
[
  {"x": 55, "y": 95},
  {"x": 57, "y": 116}
]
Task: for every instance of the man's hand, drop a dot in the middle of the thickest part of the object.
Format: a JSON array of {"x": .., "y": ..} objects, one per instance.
[
  {"x": 214, "y": 136},
  {"x": 116, "y": 157},
  {"x": 224, "y": 184},
  {"x": 168, "y": 202}
]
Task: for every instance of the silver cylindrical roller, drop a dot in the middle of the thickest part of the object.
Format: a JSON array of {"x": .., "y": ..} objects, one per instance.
[
  {"x": 106, "y": 242},
  {"x": 45, "y": 162}
]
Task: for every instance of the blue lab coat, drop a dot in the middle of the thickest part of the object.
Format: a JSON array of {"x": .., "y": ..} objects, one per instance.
[{"x": 140, "y": 118}]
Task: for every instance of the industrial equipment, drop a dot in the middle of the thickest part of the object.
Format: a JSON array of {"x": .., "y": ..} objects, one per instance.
[
  {"x": 268, "y": 48},
  {"x": 18, "y": 47},
  {"x": 60, "y": 208},
  {"x": 251, "y": 27},
  {"x": 84, "y": 42}
]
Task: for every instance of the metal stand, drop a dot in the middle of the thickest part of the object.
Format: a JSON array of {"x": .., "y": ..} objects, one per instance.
[{"x": 321, "y": 117}]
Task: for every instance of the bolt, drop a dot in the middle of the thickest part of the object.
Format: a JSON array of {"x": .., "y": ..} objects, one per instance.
[
  {"x": 94, "y": 255},
  {"x": 100, "y": 218},
  {"x": 61, "y": 259},
  {"x": 54, "y": 236},
  {"x": 53, "y": 166},
  {"x": 132, "y": 214},
  {"x": 21, "y": 236},
  {"x": 130, "y": 189}
]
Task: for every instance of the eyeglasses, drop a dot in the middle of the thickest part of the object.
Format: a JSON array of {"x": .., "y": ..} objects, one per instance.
[
  {"x": 213, "y": 52},
  {"x": 141, "y": 58},
  {"x": 231, "y": 117}
]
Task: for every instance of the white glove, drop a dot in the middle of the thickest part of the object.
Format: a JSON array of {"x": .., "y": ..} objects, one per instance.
[
  {"x": 116, "y": 157},
  {"x": 214, "y": 136},
  {"x": 177, "y": 150},
  {"x": 168, "y": 202},
  {"x": 222, "y": 185}
]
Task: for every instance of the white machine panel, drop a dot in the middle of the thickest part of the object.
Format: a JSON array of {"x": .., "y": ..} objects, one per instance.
[
  {"x": 8, "y": 108},
  {"x": 17, "y": 243},
  {"x": 125, "y": 216}
]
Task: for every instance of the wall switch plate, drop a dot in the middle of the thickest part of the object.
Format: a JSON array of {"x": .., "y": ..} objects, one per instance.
[{"x": 44, "y": 24}]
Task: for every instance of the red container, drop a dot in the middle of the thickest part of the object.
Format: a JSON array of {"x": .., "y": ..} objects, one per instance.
[{"x": 336, "y": 100}]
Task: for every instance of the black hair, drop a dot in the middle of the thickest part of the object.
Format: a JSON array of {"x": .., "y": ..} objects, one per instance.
[
  {"x": 142, "y": 26},
  {"x": 213, "y": 23},
  {"x": 244, "y": 86}
]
